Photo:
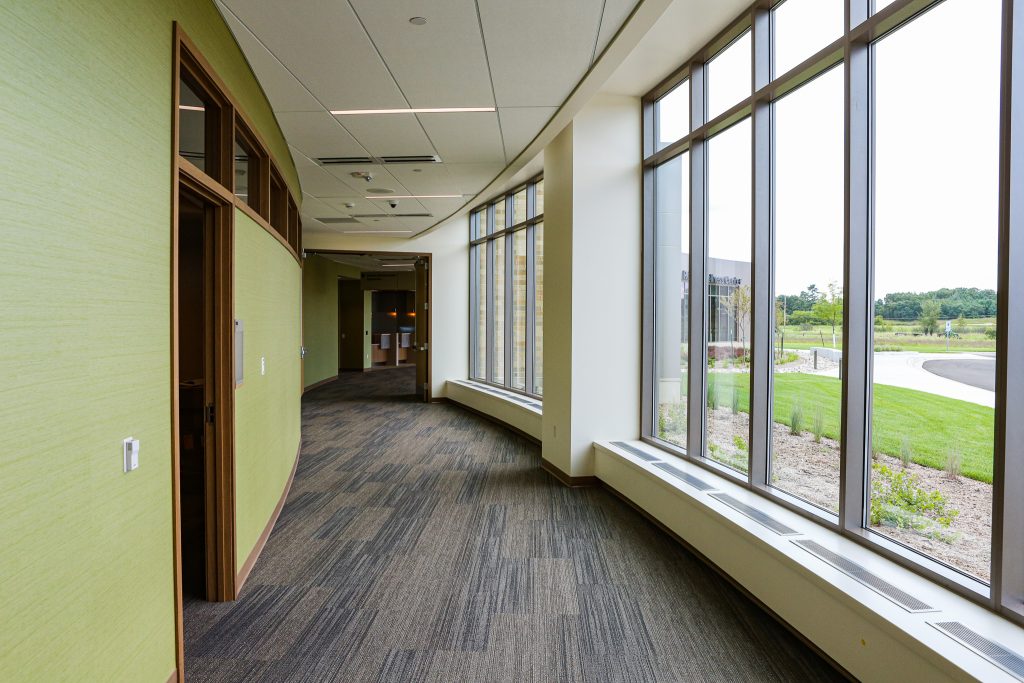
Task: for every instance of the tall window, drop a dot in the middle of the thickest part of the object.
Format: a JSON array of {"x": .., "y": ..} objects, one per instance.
[
  {"x": 829, "y": 285},
  {"x": 507, "y": 297}
]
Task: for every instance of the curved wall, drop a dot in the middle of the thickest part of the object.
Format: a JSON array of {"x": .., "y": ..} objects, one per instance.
[{"x": 85, "y": 210}]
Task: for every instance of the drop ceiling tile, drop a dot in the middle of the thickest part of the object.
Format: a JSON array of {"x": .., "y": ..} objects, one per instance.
[
  {"x": 388, "y": 134},
  {"x": 442, "y": 208},
  {"x": 429, "y": 179},
  {"x": 615, "y": 14},
  {"x": 439, "y": 64},
  {"x": 382, "y": 178},
  {"x": 404, "y": 206},
  {"x": 315, "y": 207},
  {"x": 471, "y": 178},
  {"x": 283, "y": 90},
  {"x": 519, "y": 125},
  {"x": 323, "y": 43},
  {"x": 528, "y": 38},
  {"x": 465, "y": 138},
  {"x": 317, "y": 182},
  {"x": 318, "y": 134},
  {"x": 337, "y": 206}
]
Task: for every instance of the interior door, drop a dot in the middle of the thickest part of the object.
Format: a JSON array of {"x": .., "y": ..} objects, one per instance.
[{"x": 423, "y": 327}]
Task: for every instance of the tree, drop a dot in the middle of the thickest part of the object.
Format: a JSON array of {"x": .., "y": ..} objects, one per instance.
[
  {"x": 739, "y": 304},
  {"x": 830, "y": 308},
  {"x": 960, "y": 326},
  {"x": 929, "y": 320}
]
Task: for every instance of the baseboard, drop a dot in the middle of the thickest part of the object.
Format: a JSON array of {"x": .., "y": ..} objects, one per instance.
[
  {"x": 567, "y": 480},
  {"x": 735, "y": 584},
  {"x": 173, "y": 678},
  {"x": 490, "y": 418},
  {"x": 317, "y": 385},
  {"x": 250, "y": 562}
]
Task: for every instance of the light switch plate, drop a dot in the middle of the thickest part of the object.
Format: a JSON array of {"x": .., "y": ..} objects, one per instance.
[{"x": 131, "y": 454}]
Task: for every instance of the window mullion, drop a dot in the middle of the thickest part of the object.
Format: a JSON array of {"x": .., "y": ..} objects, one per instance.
[
  {"x": 761, "y": 239},
  {"x": 509, "y": 308},
  {"x": 1008, "y": 510},
  {"x": 857, "y": 285},
  {"x": 697, "y": 354},
  {"x": 489, "y": 373}
]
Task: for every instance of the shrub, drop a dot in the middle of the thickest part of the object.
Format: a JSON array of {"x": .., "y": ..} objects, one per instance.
[
  {"x": 818, "y": 424},
  {"x": 672, "y": 418},
  {"x": 906, "y": 454},
  {"x": 898, "y": 500},
  {"x": 712, "y": 395},
  {"x": 887, "y": 347},
  {"x": 990, "y": 332},
  {"x": 796, "y": 419},
  {"x": 739, "y": 442},
  {"x": 734, "y": 402}
]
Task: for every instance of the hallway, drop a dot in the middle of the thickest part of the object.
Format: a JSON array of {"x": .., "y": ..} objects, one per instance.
[{"x": 421, "y": 542}]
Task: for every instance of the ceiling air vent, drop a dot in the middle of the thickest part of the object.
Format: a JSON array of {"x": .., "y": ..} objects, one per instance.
[
  {"x": 762, "y": 518},
  {"x": 340, "y": 161},
  {"x": 1007, "y": 660},
  {"x": 392, "y": 215},
  {"x": 363, "y": 161},
  {"x": 414, "y": 159},
  {"x": 343, "y": 219},
  {"x": 862, "y": 575}
]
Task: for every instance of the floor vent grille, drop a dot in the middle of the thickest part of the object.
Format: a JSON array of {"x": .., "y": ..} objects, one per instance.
[
  {"x": 1007, "y": 660},
  {"x": 643, "y": 455},
  {"x": 865, "y": 577},
  {"x": 753, "y": 513},
  {"x": 693, "y": 481}
]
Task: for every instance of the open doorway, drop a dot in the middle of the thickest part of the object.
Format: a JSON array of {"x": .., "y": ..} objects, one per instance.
[
  {"x": 202, "y": 359},
  {"x": 384, "y": 320}
]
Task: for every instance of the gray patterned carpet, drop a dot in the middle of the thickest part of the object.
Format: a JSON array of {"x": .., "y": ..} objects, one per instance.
[{"x": 422, "y": 543}]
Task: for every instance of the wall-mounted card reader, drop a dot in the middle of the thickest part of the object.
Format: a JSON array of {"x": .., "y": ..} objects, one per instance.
[{"x": 131, "y": 454}]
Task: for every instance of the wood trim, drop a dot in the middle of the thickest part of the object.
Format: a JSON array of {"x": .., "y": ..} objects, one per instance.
[
  {"x": 250, "y": 562},
  {"x": 224, "y": 415},
  {"x": 727, "y": 577},
  {"x": 567, "y": 480},
  {"x": 179, "y": 625},
  {"x": 317, "y": 385}
]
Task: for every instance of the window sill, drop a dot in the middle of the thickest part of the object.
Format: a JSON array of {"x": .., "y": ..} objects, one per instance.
[
  {"x": 868, "y": 634},
  {"x": 520, "y": 412}
]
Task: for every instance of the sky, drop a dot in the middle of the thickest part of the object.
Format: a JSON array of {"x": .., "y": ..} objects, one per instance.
[{"x": 937, "y": 116}]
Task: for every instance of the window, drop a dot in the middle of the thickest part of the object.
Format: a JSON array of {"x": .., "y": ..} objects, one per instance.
[
  {"x": 936, "y": 258},
  {"x": 672, "y": 248},
  {"x": 829, "y": 287},
  {"x": 250, "y": 168},
  {"x": 507, "y": 290}
]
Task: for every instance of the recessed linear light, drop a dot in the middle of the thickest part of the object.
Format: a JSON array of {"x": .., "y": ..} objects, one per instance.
[
  {"x": 191, "y": 107},
  {"x": 416, "y": 196},
  {"x": 437, "y": 110},
  {"x": 374, "y": 232},
  {"x": 397, "y": 265}
]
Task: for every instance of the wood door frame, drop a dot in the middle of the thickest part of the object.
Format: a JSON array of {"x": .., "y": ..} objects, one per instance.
[
  {"x": 220, "y": 517},
  {"x": 429, "y": 258}
]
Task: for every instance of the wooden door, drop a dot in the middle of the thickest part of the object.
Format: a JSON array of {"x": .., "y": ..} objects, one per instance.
[{"x": 423, "y": 328}]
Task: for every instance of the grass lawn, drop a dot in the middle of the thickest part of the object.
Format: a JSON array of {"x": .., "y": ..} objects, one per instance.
[{"x": 931, "y": 423}]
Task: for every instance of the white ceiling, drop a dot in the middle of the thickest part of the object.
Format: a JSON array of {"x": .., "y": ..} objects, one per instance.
[
  {"x": 375, "y": 262},
  {"x": 523, "y": 57}
]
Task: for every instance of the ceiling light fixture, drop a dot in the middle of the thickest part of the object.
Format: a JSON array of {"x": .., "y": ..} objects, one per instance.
[
  {"x": 397, "y": 265},
  {"x": 191, "y": 107},
  {"x": 416, "y": 196},
  {"x": 435, "y": 110},
  {"x": 418, "y": 21},
  {"x": 374, "y": 232}
]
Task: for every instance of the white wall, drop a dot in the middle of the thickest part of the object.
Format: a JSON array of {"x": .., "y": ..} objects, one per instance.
[
  {"x": 448, "y": 245},
  {"x": 592, "y": 311}
]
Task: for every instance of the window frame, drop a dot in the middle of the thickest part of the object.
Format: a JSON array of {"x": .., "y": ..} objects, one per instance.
[
  {"x": 485, "y": 237},
  {"x": 850, "y": 50}
]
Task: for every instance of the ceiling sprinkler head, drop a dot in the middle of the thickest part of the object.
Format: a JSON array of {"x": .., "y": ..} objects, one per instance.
[
  {"x": 350, "y": 205},
  {"x": 365, "y": 175}
]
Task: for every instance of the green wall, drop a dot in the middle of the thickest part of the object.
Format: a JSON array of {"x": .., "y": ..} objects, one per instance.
[
  {"x": 85, "y": 557},
  {"x": 267, "y": 298},
  {"x": 320, "y": 316}
]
